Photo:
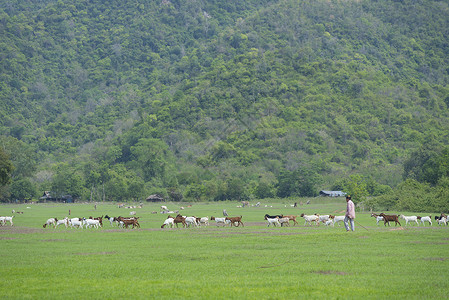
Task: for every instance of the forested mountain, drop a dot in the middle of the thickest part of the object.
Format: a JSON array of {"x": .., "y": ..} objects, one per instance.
[{"x": 214, "y": 100}]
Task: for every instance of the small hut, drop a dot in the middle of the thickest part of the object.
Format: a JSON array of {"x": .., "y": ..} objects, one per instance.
[
  {"x": 155, "y": 198},
  {"x": 332, "y": 193}
]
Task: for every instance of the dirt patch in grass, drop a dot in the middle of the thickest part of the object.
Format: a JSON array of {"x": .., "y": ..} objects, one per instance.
[
  {"x": 7, "y": 238},
  {"x": 18, "y": 230},
  {"x": 399, "y": 228},
  {"x": 330, "y": 272},
  {"x": 54, "y": 240},
  {"x": 430, "y": 243},
  {"x": 95, "y": 253},
  {"x": 437, "y": 258}
]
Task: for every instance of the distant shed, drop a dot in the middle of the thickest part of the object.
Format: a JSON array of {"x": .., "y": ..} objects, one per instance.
[
  {"x": 155, "y": 198},
  {"x": 332, "y": 193},
  {"x": 48, "y": 197}
]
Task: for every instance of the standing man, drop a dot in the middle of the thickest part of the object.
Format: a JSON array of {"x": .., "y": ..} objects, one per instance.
[{"x": 350, "y": 213}]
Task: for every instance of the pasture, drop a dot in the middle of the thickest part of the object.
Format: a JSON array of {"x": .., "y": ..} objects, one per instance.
[{"x": 250, "y": 262}]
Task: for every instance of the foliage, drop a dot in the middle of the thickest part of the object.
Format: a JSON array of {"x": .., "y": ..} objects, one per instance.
[
  {"x": 229, "y": 98},
  {"x": 428, "y": 164},
  {"x": 23, "y": 189},
  {"x": 354, "y": 186},
  {"x": 301, "y": 182},
  {"x": 6, "y": 167},
  {"x": 412, "y": 195}
]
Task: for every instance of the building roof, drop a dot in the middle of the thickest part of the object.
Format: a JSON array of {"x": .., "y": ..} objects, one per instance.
[{"x": 332, "y": 193}]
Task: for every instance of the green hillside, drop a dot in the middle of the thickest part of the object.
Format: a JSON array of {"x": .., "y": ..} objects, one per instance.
[{"x": 215, "y": 100}]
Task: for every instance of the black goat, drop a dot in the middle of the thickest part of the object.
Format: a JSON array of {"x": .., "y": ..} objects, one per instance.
[{"x": 267, "y": 216}]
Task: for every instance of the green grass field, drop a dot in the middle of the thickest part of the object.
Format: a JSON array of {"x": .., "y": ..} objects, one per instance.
[{"x": 251, "y": 262}]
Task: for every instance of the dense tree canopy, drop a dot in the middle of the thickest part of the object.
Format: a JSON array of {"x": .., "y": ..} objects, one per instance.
[{"x": 215, "y": 100}]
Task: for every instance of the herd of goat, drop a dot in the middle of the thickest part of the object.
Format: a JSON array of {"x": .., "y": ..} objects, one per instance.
[
  {"x": 272, "y": 220},
  {"x": 441, "y": 219},
  {"x": 185, "y": 221},
  {"x": 92, "y": 222}
]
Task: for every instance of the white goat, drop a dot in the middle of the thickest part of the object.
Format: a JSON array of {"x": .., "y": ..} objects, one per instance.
[
  {"x": 64, "y": 221},
  {"x": 323, "y": 218},
  {"x": 284, "y": 221},
  {"x": 426, "y": 218},
  {"x": 378, "y": 218},
  {"x": 75, "y": 222},
  {"x": 310, "y": 218},
  {"x": 9, "y": 219},
  {"x": 410, "y": 219},
  {"x": 51, "y": 221},
  {"x": 220, "y": 221},
  {"x": 191, "y": 221},
  {"x": 329, "y": 223},
  {"x": 204, "y": 221},
  {"x": 2, "y": 221},
  {"x": 442, "y": 221},
  {"x": 91, "y": 223},
  {"x": 338, "y": 219},
  {"x": 273, "y": 221},
  {"x": 169, "y": 223}
]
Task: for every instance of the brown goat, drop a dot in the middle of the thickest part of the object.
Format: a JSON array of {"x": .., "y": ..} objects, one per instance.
[
  {"x": 133, "y": 222},
  {"x": 180, "y": 219},
  {"x": 129, "y": 221},
  {"x": 234, "y": 220},
  {"x": 292, "y": 218},
  {"x": 390, "y": 218}
]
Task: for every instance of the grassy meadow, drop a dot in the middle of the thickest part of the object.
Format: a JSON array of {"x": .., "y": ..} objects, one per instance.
[{"x": 251, "y": 262}]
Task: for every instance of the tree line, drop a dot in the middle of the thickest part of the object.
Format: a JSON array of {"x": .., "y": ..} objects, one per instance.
[{"x": 205, "y": 101}]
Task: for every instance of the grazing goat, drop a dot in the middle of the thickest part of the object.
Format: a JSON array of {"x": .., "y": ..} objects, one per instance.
[
  {"x": 390, "y": 218},
  {"x": 7, "y": 219},
  {"x": 51, "y": 221},
  {"x": 442, "y": 221},
  {"x": 234, "y": 220},
  {"x": 3, "y": 220},
  {"x": 410, "y": 219},
  {"x": 272, "y": 221},
  {"x": 424, "y": 219},
  {"x": 378, "y": 218},
  {"x": 179, "y": 219},
  {"x": 310, "y": 218},
  {"x": 169, "y": 222}
]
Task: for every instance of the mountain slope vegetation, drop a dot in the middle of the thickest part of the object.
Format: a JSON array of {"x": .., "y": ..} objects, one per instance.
[{"x": 205, "y": 100}]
